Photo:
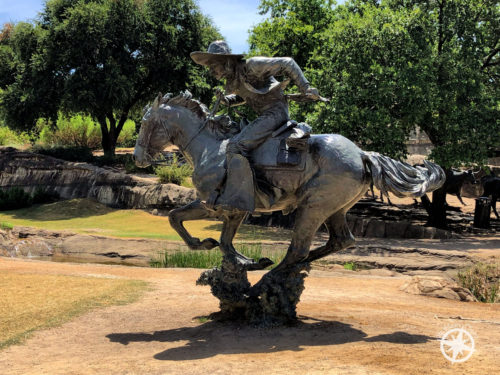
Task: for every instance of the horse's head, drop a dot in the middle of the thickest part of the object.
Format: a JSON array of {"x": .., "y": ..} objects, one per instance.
[
  {"x": 178, "y": 120},
  {"x": 153, "y": 135}
]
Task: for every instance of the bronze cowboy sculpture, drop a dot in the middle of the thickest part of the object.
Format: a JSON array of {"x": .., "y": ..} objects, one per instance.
[
  {"x": 251, "y": 81},
  {"x": 318, "y": 176},
  {"x": 332, "y": 175}
]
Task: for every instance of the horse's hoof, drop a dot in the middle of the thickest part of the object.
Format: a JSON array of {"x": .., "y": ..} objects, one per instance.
[
  {"x": 206, "y": 244},
  {"x": 209, "y": 244},
  {"x": 263, "y": 263}
]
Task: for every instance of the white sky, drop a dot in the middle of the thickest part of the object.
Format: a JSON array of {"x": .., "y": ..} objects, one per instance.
[{"x": 233, "y": 17}]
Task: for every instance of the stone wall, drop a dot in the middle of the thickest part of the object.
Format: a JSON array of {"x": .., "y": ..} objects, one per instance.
[{"x": 30, "y": 171}]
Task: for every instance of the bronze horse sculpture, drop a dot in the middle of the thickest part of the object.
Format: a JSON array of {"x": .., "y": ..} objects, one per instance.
[{"x": 335, "y": 175}]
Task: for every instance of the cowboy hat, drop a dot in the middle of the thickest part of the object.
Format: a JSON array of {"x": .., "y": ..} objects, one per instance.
[{"x": 218, "y": 51}]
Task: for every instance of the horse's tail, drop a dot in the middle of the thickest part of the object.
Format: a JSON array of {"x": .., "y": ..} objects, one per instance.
[{"x": 402, "y": 179}]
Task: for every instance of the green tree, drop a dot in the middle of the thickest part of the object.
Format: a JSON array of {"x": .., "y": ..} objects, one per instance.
[
  {"x": 107, "y": 58},
  {"x": 393, "y": 65},
  {"x": 462, "y": 115},
  {"x": 370, "y": 64},
  {"x": 292, "y": 28},
  {"x": 28, "y": 89}
]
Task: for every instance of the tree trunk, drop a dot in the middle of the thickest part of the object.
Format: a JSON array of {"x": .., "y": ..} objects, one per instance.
[
  {"x": 108, "y": 140},
  {"x": 110, "y": 134},
  {"x": 108, "y": 145},
  {"x": 437, "y": 216}
]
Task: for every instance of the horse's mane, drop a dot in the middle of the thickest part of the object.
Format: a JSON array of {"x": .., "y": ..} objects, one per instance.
[
  {"x": 185, "y": 99},
  {"x": 221, "y": 126}
]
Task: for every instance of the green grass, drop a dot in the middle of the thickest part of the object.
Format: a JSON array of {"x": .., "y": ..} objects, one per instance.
[
  {"x": 210, "y": 258},
  {"x": 4, "y": 225},
  {"x": 351, "y": 266},
  {"x": 90, "y": 217}
]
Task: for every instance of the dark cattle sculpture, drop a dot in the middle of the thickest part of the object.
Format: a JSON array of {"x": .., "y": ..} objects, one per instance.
[
  {"x": 491, "y": 185},
  {"x": 455, "y": 181},
  {"x": 381, "y": 195}
]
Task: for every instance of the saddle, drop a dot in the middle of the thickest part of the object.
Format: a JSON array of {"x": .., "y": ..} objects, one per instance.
[
  {"x": 285, "y": 149},
  {"x": 284, "y": 153}
]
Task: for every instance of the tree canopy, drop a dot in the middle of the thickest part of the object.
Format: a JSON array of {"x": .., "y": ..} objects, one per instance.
[
  {"x": 104, "y": 58},
  {"x": 393, "y": 65}
]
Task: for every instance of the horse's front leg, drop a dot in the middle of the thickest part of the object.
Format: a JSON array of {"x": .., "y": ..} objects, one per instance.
[
  {"x": 193, "y": 211},
  {"x": 229, "y": 228}
]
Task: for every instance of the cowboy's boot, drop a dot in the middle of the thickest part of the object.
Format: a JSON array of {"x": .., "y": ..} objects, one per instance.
[{"x": 239, "y": 190}]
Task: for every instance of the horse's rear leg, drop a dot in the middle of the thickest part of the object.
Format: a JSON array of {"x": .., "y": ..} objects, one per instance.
[
  {"x": 307, "y": 222},
  {"x": 340, "y": 237},
  {"x": 229, "y": 228}
]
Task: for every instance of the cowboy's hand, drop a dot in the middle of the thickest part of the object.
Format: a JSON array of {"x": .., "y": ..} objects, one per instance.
[
  {"x": 219, "y": 94},
  {"x": 313, "y": 93}
]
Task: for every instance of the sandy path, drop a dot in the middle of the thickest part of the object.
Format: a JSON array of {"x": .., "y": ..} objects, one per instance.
[{"x": 351, "y": 324}]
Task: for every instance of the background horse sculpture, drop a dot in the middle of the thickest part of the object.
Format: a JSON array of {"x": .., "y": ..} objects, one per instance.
[{"x": 336, "y": 174}]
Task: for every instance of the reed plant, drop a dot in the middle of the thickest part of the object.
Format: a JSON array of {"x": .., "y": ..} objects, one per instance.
[{"x": 210, "y": 258}]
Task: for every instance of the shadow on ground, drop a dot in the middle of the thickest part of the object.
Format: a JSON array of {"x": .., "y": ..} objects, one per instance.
[
  {"x": 62, "y": 210},
  {"x": 213, "y": 338}
]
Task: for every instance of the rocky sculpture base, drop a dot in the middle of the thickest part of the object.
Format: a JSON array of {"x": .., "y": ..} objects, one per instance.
[{"x": 271, "y": 302}]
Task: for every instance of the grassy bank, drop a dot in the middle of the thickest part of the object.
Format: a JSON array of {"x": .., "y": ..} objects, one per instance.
[
  {"x": 90, "y": 217},
  {"x": 30, "y": 302}
]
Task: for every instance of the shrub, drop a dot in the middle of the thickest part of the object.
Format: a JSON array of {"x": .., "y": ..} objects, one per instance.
[
  {"x": 351, "y": 266},
  {"x": 174, "y": 172},
  {"x": 9, "y": 137},
  {"x": 128, "y": 135},
  {"x": 14, "y": 198},
  {"x": 74, "y": 131},
  {"x": 5, "y": 225},
  {"x": 80, "y": 131},
  {"x": 483, "y": 280}
]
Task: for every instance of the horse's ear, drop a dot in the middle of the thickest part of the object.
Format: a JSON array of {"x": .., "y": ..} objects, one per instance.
[{"x": 156, "y": 103}]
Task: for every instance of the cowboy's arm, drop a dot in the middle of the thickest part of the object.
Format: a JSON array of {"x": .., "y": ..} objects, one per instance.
[{"x": 279, "y": 66}]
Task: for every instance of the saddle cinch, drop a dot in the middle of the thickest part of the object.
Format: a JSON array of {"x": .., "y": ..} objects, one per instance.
[{"x": 285, "y": 148}]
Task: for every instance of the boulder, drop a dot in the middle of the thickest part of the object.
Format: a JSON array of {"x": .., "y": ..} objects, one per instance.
[
  {"x": 396, "y": 229},
  {"x": 437, "y": 286},
  {"x": 70, "y": 180},
  {"x": 25, "y": 242},
  {"x": 375, "y": 228}
]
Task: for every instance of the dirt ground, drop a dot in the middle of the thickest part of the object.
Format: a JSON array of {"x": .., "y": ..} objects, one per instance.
[{"x": 349, "y": 324}]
